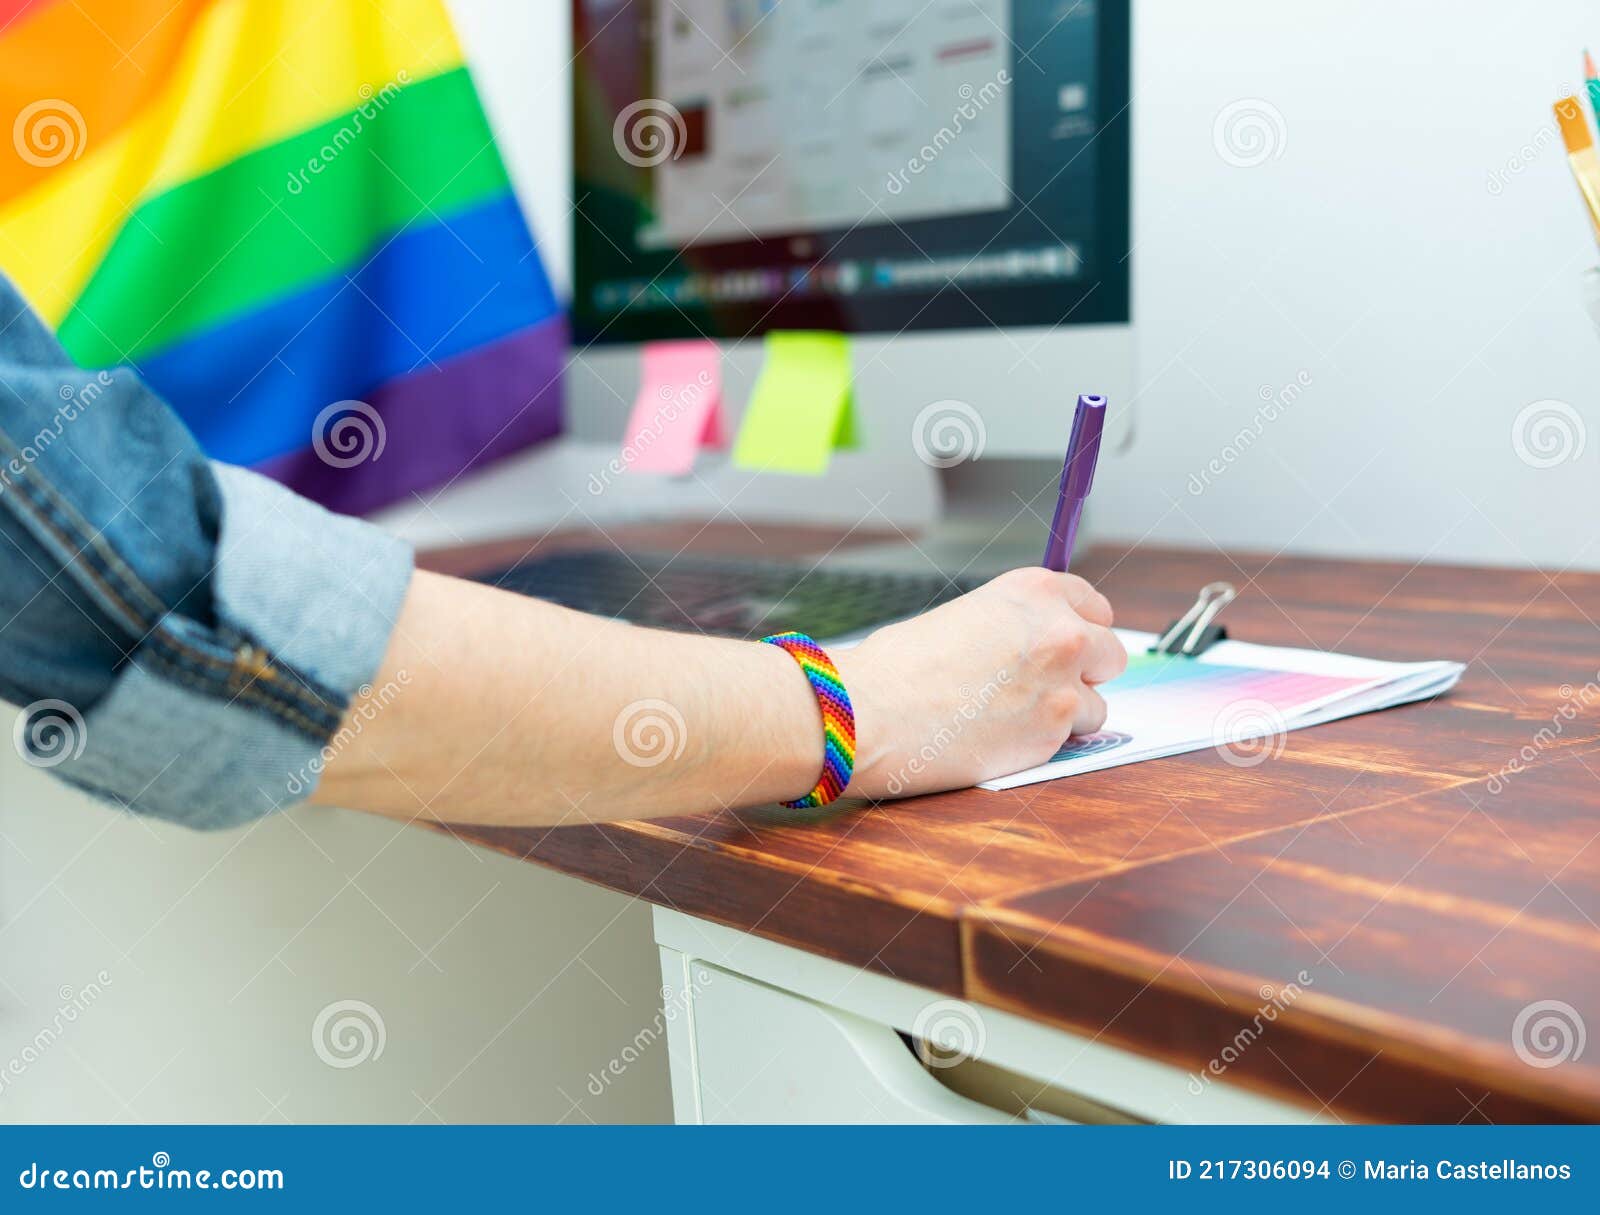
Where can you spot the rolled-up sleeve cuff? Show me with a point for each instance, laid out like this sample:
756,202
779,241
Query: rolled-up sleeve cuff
217,725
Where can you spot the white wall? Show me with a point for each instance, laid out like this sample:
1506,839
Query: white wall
501,987
153,974
1371,254
1367,253
520,51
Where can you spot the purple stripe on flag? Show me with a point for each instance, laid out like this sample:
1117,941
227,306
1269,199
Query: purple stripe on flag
468,411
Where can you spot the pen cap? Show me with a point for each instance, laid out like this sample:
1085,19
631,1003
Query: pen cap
1087,425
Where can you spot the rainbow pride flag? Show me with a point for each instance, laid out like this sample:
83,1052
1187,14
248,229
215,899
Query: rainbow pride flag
291,217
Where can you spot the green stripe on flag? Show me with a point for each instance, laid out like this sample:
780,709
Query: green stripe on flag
285,216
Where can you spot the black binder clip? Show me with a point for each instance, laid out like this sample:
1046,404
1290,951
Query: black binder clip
1196,631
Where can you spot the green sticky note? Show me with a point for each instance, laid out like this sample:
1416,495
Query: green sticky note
801,409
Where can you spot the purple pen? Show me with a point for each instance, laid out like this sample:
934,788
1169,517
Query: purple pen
1077,475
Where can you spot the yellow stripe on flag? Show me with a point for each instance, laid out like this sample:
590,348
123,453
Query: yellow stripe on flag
254,72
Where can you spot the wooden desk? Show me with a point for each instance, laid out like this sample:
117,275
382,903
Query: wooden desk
1150,907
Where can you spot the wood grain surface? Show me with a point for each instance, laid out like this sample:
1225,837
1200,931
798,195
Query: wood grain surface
1396,915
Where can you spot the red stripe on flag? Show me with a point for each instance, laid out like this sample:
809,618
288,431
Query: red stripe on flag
14,10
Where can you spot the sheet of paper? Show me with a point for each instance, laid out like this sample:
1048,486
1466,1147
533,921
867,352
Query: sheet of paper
1236,696
801,409
678,411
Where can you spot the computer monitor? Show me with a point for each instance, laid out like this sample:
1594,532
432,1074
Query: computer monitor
946,180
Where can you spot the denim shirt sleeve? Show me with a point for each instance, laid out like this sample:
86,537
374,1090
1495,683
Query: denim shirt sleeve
184,637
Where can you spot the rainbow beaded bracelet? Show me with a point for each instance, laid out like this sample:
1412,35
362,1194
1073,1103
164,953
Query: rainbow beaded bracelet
838,718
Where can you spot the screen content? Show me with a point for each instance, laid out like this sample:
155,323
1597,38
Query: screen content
857,165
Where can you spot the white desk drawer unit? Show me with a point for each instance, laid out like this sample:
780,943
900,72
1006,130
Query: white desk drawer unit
759,1032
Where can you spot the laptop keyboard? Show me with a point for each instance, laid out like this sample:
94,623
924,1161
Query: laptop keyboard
726,597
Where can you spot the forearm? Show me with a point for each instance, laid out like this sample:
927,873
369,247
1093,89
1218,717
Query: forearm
493,708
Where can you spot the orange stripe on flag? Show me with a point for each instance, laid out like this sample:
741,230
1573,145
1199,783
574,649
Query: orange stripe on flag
72,75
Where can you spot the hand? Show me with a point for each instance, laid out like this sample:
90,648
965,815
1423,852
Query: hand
983,686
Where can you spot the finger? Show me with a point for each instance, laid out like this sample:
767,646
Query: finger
1104,658
1091,714
1086,601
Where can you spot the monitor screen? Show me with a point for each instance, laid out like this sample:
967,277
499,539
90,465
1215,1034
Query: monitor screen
867,166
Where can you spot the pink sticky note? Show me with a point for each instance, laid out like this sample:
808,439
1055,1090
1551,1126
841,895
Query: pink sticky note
678,410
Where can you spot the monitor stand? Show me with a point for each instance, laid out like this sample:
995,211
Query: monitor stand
995,516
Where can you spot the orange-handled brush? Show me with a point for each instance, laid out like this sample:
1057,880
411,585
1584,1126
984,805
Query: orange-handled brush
1581,155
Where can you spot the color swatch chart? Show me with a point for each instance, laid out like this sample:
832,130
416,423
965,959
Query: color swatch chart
1169,704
